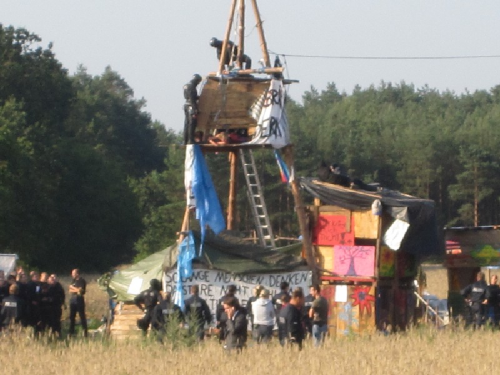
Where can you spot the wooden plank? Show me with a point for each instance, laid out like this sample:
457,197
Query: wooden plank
324,254
365,224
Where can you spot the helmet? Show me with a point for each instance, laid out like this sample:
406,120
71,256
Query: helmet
196,78
155,284
213,41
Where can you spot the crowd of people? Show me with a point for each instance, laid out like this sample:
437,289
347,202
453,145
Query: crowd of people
296,316
37,300
482,302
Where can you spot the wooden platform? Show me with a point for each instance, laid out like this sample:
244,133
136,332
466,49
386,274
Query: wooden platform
226,103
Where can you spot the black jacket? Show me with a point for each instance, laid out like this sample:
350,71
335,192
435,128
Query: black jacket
277,301
149,298
198,306
13,310
164,312
237,330
290,320
476,291
493,295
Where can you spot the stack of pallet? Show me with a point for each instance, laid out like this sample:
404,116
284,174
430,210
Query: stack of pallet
125,322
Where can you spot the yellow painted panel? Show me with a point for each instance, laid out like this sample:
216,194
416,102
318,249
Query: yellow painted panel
325,257
365,225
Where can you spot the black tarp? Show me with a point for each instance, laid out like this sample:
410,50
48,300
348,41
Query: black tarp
421,239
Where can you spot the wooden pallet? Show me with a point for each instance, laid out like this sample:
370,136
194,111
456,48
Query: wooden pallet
125,322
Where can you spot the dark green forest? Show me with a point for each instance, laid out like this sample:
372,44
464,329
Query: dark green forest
88,180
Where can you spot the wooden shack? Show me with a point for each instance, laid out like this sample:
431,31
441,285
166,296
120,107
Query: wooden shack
368,246
467,250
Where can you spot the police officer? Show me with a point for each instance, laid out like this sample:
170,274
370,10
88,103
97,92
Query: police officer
4,286
198,313
220,314
231,53
33,289
147,301
58,298
77,291
191,108
493,297
475,296
165,313
13,308
46,302
308,301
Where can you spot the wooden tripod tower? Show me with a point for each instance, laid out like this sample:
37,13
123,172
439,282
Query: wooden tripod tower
225,102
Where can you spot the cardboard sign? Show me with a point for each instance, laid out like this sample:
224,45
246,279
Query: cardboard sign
331,230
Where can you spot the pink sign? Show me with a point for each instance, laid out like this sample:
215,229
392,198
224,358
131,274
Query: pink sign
331,230
354,260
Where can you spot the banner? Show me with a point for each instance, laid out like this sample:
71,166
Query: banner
213,284
272,123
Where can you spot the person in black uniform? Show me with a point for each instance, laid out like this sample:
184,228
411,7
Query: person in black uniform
77,291
277,299
475,297
191,108
165,313
147,301
198,313
33,289
236,337
4,286
493,297
13,308
290,319
46,311
308,301
220,314
231,53
58,298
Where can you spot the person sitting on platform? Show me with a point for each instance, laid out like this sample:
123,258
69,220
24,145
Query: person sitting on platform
220,138
231,53
333,175
236,136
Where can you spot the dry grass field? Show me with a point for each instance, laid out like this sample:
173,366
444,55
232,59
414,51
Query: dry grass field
418,351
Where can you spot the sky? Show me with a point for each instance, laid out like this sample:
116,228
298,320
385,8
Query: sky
157,45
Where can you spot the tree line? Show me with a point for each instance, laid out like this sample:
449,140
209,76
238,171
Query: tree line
88,180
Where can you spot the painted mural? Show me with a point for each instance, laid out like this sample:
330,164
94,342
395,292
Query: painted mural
354,260
356,314
387,257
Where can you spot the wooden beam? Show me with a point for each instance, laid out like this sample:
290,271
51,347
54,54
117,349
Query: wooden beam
231,210
241,34
267,70
226,36
301,214
263,44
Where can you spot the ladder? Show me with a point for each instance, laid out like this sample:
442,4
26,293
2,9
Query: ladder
256,199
